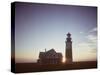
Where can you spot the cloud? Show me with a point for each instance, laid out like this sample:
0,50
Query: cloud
92,38
93,30
81,32
90,31
90,44
86,49
84,44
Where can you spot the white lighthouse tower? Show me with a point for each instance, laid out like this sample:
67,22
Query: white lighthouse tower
68,49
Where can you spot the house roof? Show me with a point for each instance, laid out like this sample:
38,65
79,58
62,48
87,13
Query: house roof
50,54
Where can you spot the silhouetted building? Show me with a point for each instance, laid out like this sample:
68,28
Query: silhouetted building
50,57
68,50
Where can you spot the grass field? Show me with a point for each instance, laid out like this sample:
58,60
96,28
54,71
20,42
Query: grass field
35,67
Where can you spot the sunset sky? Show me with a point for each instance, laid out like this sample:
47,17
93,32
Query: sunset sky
39,26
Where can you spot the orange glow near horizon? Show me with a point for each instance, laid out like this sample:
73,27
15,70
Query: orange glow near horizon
63,60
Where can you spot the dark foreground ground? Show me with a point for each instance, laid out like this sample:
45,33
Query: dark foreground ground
34,67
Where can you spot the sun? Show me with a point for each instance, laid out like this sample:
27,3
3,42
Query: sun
63,60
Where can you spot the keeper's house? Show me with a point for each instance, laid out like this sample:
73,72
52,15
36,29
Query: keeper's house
50,57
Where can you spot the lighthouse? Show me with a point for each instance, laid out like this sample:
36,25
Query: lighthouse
68,49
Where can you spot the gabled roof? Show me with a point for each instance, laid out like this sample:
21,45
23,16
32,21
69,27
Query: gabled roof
50,54
51,51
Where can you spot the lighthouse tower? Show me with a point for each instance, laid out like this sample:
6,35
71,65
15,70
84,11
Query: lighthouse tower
68,49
